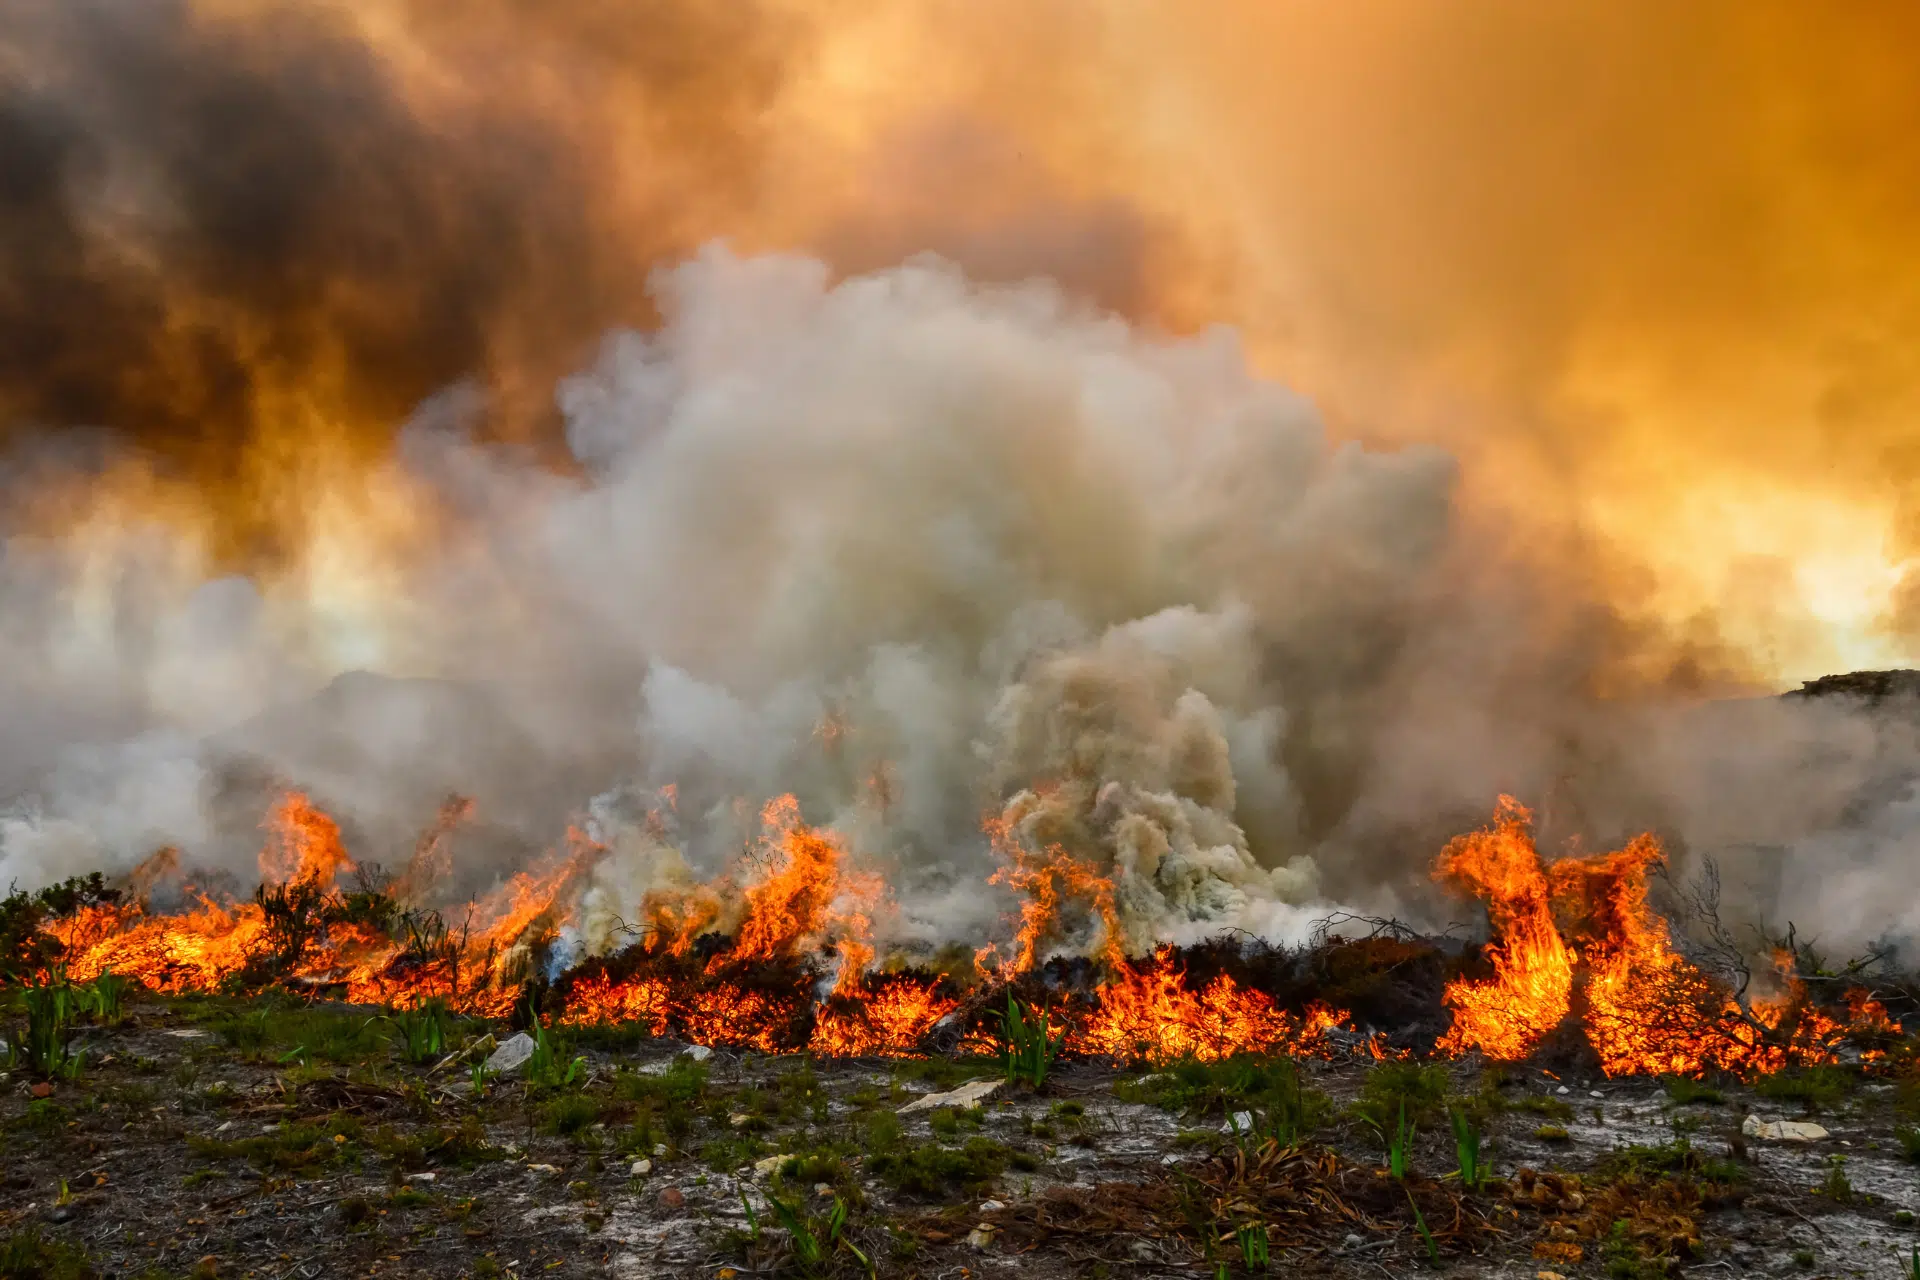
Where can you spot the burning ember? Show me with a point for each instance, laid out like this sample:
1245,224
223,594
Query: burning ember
779,955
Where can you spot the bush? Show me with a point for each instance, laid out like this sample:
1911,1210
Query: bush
1814,1088
1391,1087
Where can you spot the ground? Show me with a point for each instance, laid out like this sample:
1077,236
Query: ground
263,1138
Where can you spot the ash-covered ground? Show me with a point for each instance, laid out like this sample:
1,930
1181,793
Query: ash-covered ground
212,1136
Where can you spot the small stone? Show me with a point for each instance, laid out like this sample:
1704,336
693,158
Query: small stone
641,1168
421,1177
42,1090
512,1055
980,1237
224,1126
1595,1093
823,1188
738,1118
659,1151
1353,1241
966,1097
1782,1130
673,1198
1563,1089
761,1168
699,1053
1169,1158
186,1033
1238,1122
991,1206
542,1168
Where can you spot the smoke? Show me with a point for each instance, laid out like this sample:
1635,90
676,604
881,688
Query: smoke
289,288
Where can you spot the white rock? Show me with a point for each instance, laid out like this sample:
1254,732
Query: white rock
641,1168
421,1177
1563,1089
991,1206
1595,1093
1169,1158
981,1237
1238,1122
224,1127
512,1055
738,1118
966,1096
1782,1130
187,1033
659,1150
699,1053
761,1168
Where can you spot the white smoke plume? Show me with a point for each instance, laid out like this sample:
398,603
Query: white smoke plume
922,553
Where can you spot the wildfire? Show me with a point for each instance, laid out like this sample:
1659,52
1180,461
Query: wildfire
1578,939
779,954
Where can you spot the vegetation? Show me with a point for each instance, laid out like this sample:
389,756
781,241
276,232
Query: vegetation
1027,1046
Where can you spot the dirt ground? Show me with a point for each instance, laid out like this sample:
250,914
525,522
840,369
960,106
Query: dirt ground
209,1136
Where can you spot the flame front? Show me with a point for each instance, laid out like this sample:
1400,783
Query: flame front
1578,938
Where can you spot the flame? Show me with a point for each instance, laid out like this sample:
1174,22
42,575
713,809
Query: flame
1578,937
1150,1014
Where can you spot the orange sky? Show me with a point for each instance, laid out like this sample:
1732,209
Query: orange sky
1649,270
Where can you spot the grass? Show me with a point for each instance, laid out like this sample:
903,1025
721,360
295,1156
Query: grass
1678,1157
1420,1089
1815,1089
1269,1087
930,1170
1685,1091
27,1255
569,1114
1027,1044
1908,1136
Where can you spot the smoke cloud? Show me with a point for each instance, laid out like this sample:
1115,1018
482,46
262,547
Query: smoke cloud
288,497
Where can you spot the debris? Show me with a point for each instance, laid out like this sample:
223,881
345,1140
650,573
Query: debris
1782,1130
512,1055
641,1168
186,1033
1238,1122
981,1237
967,1096
991,1206
823,1188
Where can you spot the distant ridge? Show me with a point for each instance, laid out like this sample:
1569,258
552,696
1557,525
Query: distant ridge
1868,686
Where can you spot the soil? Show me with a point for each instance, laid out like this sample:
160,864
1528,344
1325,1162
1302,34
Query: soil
189,1144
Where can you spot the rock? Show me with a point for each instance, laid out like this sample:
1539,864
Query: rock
1353,1241
512,1055
1169,1158
1548,1275
186,1033
991,1206
1563,1089
738,1118
421,1177
761,1168
1143,1251
699,1053
673,1198
823,1188
981,1237
641,1168
966,1096
42,1090
1595,1093
1782,1130
659,1151
542,1168
1238,1122
224,1126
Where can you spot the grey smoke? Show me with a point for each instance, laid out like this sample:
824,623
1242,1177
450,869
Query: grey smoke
922,551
